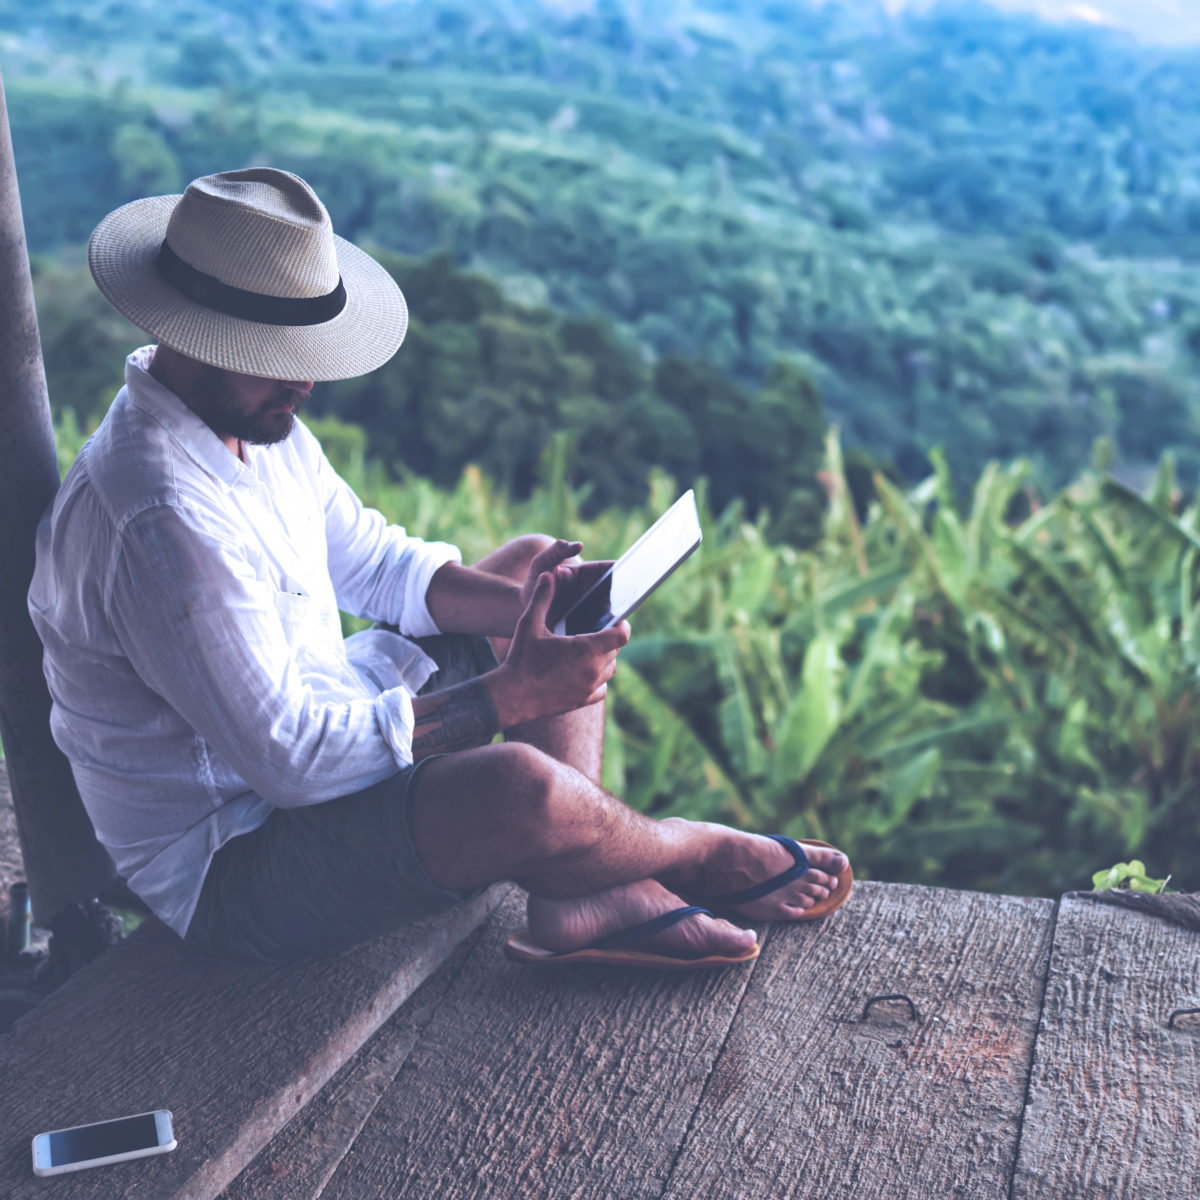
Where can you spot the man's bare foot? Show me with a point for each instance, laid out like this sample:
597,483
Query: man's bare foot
741,860
561,925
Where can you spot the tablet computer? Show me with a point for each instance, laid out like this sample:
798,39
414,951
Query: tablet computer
638,571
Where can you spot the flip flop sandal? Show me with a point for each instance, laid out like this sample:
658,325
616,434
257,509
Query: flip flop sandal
723,905
614,950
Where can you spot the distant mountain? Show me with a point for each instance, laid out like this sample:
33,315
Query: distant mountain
967,227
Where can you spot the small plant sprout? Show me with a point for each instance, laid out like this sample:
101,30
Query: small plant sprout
1131,875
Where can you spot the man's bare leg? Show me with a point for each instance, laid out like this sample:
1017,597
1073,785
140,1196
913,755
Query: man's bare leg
592,865
577,737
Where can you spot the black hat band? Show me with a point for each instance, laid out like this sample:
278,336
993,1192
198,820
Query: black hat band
210,292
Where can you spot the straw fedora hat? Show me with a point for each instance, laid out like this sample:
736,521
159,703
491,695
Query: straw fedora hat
243,271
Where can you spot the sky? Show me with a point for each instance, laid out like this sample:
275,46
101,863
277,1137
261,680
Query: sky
1161,22
1175,22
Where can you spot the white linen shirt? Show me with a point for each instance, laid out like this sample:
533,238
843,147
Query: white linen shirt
188,605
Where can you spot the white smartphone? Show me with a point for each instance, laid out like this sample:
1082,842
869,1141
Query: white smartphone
103,1142
638,571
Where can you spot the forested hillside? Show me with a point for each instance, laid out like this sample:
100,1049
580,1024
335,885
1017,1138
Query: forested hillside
967,229
655,243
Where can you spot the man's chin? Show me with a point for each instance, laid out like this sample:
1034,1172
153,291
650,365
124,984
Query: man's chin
271,429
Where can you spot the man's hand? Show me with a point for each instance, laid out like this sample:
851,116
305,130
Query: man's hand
571,578
544,675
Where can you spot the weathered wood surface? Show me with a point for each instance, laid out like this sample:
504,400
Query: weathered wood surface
298,1162
808,1099
761,1082
1114,1096
234,1050
1180,908
532,1082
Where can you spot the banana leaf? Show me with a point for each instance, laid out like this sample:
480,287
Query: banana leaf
669,727
813,715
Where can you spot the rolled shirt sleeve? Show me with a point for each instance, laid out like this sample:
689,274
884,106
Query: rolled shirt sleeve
378,571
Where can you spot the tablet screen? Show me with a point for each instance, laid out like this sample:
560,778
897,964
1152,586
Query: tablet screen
639,570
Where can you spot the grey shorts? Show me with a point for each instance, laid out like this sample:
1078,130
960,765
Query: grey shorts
315,880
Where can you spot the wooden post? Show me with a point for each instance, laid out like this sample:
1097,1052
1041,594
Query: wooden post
63,861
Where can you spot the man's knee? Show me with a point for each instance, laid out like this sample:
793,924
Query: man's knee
527,778
497,811
551,805
514,558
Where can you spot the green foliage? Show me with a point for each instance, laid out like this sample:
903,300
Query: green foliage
483,380
1131,875
970,245
953,696
976,235
145,163
84,340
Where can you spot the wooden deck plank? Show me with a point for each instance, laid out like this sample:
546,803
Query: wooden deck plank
234,1050
1114,1096
809,1100
298,1161
535,1082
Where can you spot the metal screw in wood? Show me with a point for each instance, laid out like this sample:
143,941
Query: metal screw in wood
890,996
1180,1012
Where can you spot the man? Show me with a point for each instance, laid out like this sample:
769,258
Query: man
269,789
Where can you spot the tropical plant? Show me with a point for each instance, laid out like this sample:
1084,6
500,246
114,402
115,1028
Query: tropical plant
997,697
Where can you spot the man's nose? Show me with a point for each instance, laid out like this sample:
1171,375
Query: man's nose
300,385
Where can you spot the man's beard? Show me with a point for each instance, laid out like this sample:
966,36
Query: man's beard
215,402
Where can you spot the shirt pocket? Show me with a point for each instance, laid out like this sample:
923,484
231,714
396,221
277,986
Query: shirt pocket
295,614
312,631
